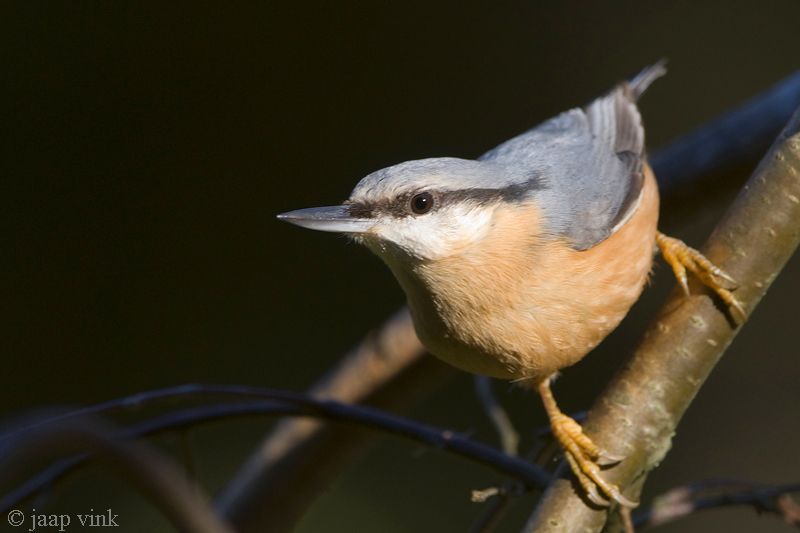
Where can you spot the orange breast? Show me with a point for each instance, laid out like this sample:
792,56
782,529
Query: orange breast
517,305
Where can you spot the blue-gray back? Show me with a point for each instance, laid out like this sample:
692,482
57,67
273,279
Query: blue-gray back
588,162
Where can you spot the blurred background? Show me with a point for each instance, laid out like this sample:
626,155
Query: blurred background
147,148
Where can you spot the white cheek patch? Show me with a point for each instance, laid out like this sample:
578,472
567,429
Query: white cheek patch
437,234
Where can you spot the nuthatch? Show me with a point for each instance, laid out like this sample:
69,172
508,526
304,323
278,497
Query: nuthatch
517,264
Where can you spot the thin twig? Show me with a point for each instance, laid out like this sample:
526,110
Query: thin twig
142,399
497,507
298,405
682,501
509,438
500,499
150,471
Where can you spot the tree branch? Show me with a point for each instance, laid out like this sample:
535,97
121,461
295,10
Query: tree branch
509,438
682,501
639,410
279,403
741,134
301,457
150,471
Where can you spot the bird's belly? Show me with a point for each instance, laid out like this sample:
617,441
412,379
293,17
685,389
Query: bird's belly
523,313
549,328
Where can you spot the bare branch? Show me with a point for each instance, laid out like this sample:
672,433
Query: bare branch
509,438
287,403
144,467
639,410
682,501
301,457
741,134
497,508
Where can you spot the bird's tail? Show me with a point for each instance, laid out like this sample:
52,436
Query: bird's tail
642,81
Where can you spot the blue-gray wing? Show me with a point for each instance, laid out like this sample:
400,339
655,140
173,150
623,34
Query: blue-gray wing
588,163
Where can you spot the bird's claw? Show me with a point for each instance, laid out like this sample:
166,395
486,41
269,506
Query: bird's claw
608,459
583,455
585,458
681,257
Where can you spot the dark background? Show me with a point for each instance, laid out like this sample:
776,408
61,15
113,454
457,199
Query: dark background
146,149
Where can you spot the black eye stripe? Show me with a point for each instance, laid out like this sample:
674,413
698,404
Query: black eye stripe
400,206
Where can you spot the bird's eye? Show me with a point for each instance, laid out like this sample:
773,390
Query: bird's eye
421,203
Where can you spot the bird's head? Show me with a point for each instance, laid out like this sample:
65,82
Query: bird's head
421,210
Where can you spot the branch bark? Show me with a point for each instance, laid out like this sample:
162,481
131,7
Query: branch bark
639,411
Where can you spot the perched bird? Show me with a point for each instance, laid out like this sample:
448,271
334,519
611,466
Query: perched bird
517,264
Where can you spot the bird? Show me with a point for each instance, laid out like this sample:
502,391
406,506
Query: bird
517,264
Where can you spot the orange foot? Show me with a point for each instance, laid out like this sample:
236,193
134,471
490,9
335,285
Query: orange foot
583,455
680,257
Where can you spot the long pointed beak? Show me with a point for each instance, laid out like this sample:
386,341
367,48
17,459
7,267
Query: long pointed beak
334,218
